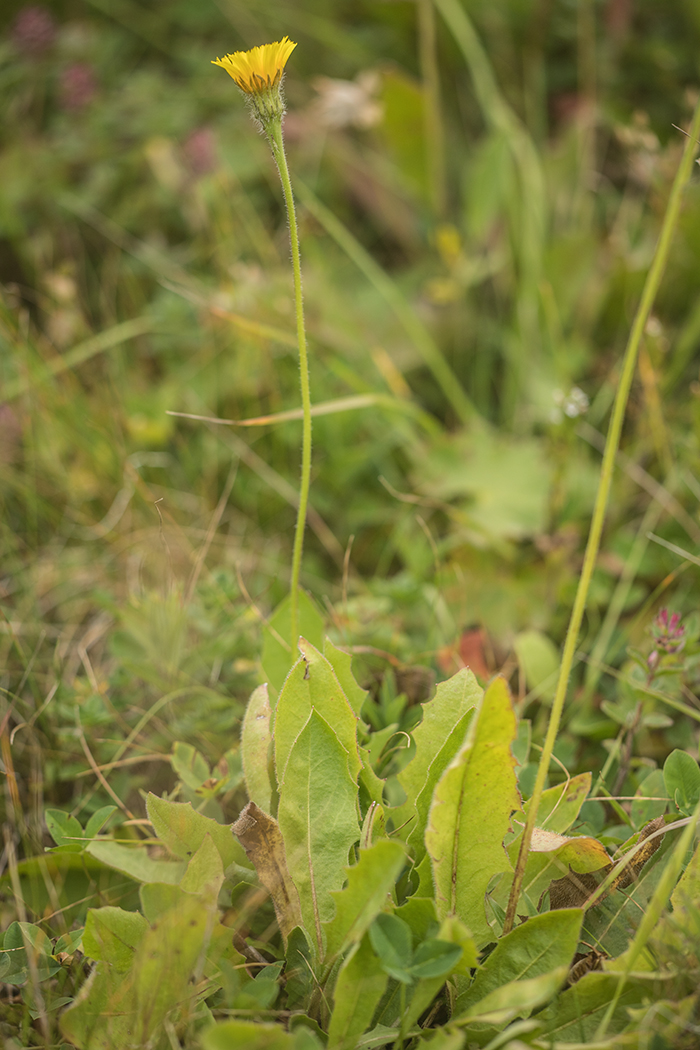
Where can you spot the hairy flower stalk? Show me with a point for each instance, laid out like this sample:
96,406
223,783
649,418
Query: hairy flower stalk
258,73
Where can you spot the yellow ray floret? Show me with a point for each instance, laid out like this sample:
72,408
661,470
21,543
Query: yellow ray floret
260,68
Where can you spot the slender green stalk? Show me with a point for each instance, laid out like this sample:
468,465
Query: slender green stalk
274,136
651,287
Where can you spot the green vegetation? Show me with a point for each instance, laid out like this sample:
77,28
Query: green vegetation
484,191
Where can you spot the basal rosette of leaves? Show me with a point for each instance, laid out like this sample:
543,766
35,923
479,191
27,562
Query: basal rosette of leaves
326,917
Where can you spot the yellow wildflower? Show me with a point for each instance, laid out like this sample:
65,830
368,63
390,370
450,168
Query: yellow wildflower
259,69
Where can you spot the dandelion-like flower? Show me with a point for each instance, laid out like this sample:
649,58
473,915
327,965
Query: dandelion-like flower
258,73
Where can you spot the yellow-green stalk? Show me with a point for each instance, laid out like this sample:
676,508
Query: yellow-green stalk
258,73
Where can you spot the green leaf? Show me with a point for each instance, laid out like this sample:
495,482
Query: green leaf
98,820
157,898
538,657
686,896
369,883
205,871
438,738
538,946
420,914
574,1015
341,662
182,830
69,942
164,964
277,655
246,1035
435,958
299,973
360,985
64,829
682,780
391,939
113,935
560,806
426,988
312,685
191,767
501,483
471,813
23,941
514,999
643,809
318,819
256,748
135,862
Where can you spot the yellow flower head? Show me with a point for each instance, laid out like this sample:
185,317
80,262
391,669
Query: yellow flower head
259,69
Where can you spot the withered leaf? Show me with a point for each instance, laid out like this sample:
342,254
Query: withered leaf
575,888
259,835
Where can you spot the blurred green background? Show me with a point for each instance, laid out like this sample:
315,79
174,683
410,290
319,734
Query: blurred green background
481,186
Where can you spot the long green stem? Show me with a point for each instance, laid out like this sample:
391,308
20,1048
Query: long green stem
651,286
274,135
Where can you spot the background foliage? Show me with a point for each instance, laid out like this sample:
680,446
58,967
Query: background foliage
471,278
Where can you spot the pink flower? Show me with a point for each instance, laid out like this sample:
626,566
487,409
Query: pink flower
78,86
33,31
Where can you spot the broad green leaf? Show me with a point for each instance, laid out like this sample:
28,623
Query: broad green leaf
435,958
453,932
516,998
256,748
64,829
369,883
98,820
164,964
341,662
113,935
538,657
500,483
70,942
371,786
205,871
471,813
686,895
391,939
318,819
538,946
100,1017
182,830
441,1039
682,780
191,767
360,985
157,898
299,978
420,914
438,738
135,862
560,806
278,655
312,685
24,941
651,799
574,1015
246,1035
